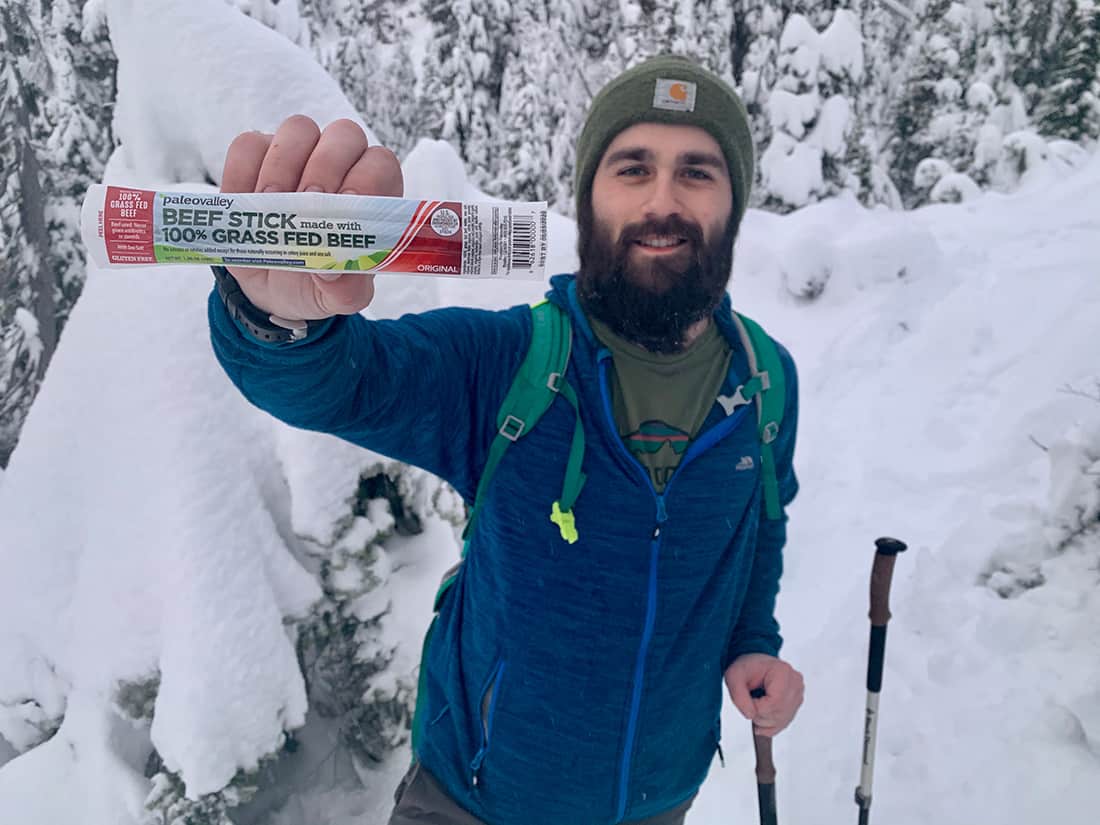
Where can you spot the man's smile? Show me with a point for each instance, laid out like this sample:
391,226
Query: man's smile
661,243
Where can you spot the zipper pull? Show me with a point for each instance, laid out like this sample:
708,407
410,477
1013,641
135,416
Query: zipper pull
662,516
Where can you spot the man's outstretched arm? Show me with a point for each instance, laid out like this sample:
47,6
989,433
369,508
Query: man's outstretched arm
423,389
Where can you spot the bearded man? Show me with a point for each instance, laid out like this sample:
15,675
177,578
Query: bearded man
572,677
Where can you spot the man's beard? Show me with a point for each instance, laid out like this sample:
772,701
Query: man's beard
652,303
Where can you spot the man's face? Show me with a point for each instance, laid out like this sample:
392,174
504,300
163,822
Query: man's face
656,244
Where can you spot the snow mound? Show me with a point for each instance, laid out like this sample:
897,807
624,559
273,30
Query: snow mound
178,111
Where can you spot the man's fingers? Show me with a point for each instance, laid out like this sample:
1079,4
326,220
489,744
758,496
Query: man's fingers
377,172
340,147
739,693
767,730
243,160
285,161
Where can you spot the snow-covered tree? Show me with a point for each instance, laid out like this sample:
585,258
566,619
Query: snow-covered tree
755,57
463,71
530,107
364,47
56,91
820,141
1070,105
930,115
1031,38
28,331
283,17
74,133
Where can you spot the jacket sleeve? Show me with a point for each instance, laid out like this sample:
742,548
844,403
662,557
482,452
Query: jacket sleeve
756,629
423,389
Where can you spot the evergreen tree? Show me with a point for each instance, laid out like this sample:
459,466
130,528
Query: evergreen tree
364,48
844,132
58,85
820,142
28,332
75,134
282,17
755,65
526,118
462,78
405,120
1032,30
929,117
1071,106
714,33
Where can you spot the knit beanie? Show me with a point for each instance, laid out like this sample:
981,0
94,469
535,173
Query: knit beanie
674,90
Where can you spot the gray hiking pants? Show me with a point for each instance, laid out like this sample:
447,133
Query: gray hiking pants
421,801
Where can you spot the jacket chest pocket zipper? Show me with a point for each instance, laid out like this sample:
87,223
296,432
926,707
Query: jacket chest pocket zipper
489,699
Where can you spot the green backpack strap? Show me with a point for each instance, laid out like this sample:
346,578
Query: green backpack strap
768,385
539,380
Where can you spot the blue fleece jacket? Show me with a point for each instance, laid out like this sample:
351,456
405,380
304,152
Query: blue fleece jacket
565,683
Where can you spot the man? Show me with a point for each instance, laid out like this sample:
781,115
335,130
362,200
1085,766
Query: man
566,683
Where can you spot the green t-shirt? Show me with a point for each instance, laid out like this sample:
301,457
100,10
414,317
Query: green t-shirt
661,401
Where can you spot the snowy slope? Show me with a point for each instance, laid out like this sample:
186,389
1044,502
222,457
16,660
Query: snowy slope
151,521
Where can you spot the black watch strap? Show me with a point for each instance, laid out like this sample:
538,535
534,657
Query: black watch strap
271,329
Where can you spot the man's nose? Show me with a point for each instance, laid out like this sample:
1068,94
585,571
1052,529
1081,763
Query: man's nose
663,197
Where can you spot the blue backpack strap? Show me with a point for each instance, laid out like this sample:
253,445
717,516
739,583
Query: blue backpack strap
767,385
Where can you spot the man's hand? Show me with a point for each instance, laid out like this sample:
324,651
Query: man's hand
299,157
783,691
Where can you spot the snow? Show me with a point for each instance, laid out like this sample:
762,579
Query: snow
832,126
791,170
790,112
954,187
842,46
27,325
801,47
931,170
178,110
980,95
948,89
157,526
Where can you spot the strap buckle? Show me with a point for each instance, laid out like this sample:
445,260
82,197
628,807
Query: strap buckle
770,432
553,382
513,428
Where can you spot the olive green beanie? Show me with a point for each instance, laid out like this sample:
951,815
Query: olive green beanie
675,90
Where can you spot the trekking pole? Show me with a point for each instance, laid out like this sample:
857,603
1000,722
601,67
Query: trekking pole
765,779
886,552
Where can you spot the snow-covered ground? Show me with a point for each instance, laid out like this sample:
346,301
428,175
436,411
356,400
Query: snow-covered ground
152,522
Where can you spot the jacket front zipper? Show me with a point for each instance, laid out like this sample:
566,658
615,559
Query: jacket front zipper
705,442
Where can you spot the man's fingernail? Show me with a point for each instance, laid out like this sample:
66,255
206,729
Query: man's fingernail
328,276
348,192
313,187
271,187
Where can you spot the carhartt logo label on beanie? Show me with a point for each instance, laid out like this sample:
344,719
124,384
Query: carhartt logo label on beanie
674,95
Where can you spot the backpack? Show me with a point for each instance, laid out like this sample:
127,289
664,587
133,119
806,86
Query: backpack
541,378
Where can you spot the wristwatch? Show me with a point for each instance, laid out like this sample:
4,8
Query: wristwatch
271,329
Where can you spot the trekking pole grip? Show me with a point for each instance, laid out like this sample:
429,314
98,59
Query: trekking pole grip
882,574
886,553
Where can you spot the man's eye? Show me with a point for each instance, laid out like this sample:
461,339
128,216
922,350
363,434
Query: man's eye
632,171
698,174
